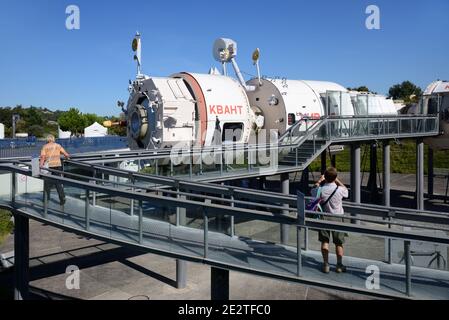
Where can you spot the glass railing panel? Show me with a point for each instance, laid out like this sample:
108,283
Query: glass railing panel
29,194
5,181
73,210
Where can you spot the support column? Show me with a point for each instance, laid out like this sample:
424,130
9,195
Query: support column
285,189
323,161
386,194
419,174
355,173
181,266
21,257
386,173
181,274
430,173
305,181
219,284
372,180
355,177
334,161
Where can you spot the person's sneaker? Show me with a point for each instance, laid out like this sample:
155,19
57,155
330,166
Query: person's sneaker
340,268
326,268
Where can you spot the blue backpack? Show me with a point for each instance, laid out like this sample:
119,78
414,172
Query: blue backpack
315,204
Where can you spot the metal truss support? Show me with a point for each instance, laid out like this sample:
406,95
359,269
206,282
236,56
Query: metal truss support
219,284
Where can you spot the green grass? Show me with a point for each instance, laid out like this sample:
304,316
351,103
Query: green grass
403,158
6,225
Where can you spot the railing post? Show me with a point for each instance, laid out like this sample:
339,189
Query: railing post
94,194
408,272
86,210
232,233
206,231
13,187
420,174
140,221
301,223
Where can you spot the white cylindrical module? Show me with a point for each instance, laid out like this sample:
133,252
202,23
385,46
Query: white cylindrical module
222,109
282,101
435,100
188,109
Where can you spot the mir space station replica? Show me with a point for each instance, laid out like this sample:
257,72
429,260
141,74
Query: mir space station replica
187,109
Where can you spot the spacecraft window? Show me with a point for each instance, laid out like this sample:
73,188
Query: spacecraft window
432,106
232,131
445,107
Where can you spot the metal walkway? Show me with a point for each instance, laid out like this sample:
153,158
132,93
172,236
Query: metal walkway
291,152
175,218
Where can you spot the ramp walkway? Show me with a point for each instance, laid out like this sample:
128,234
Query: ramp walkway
155,213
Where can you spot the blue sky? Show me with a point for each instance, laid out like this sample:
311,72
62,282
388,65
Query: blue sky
44,64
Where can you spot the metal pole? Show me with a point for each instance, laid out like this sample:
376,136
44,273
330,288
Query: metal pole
386,192
140,221
232,218
408,272
323,162
181,274
301,217
13,187
430,173
285,189
181,266
419,174
86,210
386,173
206,231
219,284
355,176
21,257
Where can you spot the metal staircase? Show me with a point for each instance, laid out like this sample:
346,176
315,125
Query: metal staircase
306,139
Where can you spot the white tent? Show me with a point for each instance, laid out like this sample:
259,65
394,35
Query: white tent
95,130
2,131
63,134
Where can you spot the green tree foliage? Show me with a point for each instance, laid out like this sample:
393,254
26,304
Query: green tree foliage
360,89
407,91
72,121
90,118
39,122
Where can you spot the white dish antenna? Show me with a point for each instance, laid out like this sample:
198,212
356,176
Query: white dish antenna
224,50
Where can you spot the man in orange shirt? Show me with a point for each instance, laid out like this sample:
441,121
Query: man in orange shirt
51,158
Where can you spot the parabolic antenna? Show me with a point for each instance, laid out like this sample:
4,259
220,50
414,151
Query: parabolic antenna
224,50
256,55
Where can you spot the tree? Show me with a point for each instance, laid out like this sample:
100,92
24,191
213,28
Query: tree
90,118
36,130
360,89
72,121
407,91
